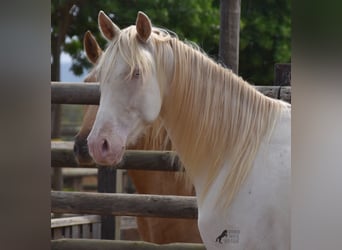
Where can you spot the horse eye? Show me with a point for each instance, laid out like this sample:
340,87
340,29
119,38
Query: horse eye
136,73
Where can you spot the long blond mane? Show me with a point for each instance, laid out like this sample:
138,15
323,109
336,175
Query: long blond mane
211,114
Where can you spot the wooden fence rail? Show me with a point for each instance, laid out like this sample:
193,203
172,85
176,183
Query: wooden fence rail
167,206
62,156
88,226
74,93
87,244
80,93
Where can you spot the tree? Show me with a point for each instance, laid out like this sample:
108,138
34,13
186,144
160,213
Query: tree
265,29
265,38
230,33
196,20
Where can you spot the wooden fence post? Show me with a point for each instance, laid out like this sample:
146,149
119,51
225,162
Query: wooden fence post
282,74
106,183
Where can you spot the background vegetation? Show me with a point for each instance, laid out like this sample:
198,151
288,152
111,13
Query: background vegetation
265,29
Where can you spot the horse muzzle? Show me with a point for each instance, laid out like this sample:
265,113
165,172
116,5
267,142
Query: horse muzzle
106,151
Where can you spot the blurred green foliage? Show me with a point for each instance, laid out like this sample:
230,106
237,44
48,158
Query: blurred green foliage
265,30
265,38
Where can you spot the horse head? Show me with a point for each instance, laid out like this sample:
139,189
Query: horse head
130,84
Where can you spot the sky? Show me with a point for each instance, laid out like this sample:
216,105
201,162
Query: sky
66,74
65,58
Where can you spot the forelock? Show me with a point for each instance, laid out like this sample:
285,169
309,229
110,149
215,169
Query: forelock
135,54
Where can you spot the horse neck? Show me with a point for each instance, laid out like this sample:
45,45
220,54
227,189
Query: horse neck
213,116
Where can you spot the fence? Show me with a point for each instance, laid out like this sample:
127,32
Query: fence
88,227
102,203
80,93
86,244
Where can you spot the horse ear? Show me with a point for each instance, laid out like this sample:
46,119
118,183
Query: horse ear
108,29
144,26
91,47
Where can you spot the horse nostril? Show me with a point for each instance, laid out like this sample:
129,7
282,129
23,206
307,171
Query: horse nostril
105,146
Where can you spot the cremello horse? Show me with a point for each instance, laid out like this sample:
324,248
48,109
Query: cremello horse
156,230
234,142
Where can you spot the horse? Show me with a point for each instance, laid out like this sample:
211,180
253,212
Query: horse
155,230
234,142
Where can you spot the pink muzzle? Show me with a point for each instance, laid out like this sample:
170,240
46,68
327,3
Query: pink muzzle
106,150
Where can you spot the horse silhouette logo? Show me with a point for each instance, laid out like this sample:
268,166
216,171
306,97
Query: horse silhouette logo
222,235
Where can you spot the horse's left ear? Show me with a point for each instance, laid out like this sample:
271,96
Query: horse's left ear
144,26
91,47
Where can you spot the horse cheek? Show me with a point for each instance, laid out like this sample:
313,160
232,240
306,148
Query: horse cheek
150,103
151,107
